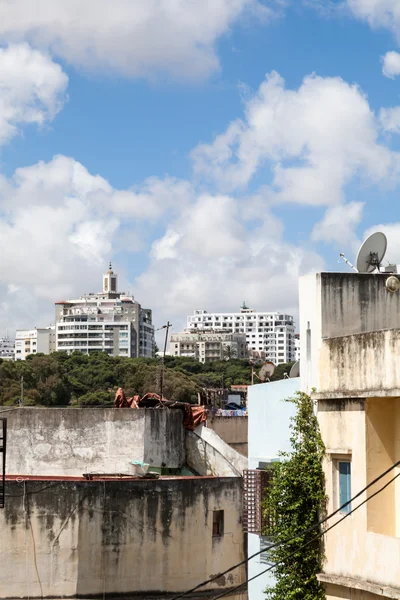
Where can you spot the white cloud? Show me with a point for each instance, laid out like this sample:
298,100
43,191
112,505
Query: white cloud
391,64
32,89
311,142
212,258
390,119
339,224
134,37
378,13
392,232
59,227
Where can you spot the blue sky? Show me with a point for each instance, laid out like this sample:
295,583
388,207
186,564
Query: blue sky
150,135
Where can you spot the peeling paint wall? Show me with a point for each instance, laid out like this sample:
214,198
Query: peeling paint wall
88,538
72,441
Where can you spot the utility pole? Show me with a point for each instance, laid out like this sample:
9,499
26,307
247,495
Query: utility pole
166,327
21,401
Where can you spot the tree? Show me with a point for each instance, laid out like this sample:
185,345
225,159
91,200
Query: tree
228,352
295,502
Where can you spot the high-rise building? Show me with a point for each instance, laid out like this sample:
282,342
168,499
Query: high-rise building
7,348
34,341
208,346
269,332
108,321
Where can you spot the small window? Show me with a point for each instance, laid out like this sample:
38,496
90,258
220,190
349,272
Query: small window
344,471
218,523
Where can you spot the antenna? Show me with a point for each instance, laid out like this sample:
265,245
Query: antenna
371,253
295,370
347,262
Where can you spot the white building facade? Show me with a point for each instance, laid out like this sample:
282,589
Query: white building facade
108,322
208,346
34,341
7,348
269,332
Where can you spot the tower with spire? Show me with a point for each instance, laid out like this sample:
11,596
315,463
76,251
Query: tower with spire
110,281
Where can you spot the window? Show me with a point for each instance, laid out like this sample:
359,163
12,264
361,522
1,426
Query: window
341,484
344,469
218,523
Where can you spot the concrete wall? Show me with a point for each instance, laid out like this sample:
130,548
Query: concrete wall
208,454
353,550
357,303
74,441
269,434
360,365
340,304
310,325
80,539
233,430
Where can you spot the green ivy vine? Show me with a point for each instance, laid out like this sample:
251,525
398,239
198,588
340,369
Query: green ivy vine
294,501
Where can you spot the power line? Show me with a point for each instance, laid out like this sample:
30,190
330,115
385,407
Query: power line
307,543
288,540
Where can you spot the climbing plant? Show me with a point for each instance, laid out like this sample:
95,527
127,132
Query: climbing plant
295,501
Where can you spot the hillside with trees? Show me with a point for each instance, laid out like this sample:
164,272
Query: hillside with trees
78,379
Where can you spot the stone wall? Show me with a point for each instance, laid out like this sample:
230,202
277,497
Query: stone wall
141,538
73,441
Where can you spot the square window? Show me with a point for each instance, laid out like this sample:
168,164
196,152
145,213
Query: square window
218,523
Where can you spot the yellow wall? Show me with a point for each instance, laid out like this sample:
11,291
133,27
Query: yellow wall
336,592
354,428
381,446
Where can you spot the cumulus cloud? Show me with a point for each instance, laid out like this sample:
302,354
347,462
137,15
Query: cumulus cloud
59,227
211,257
339,224
133,37
311,142
32,89
390,119
378,13
391,64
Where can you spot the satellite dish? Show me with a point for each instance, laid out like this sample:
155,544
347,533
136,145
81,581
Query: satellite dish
266,371
295,370
371,253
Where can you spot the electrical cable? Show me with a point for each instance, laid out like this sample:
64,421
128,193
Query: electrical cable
288,540
307,543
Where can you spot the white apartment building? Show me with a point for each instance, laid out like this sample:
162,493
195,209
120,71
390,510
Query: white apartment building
34,341
269,332
7,348
297,346
108,321
208,346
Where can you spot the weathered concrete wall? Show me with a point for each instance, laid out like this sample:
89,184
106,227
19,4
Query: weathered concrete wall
360,365
80,539
357,303
73,441
352,549
233,430
341,304
208,454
